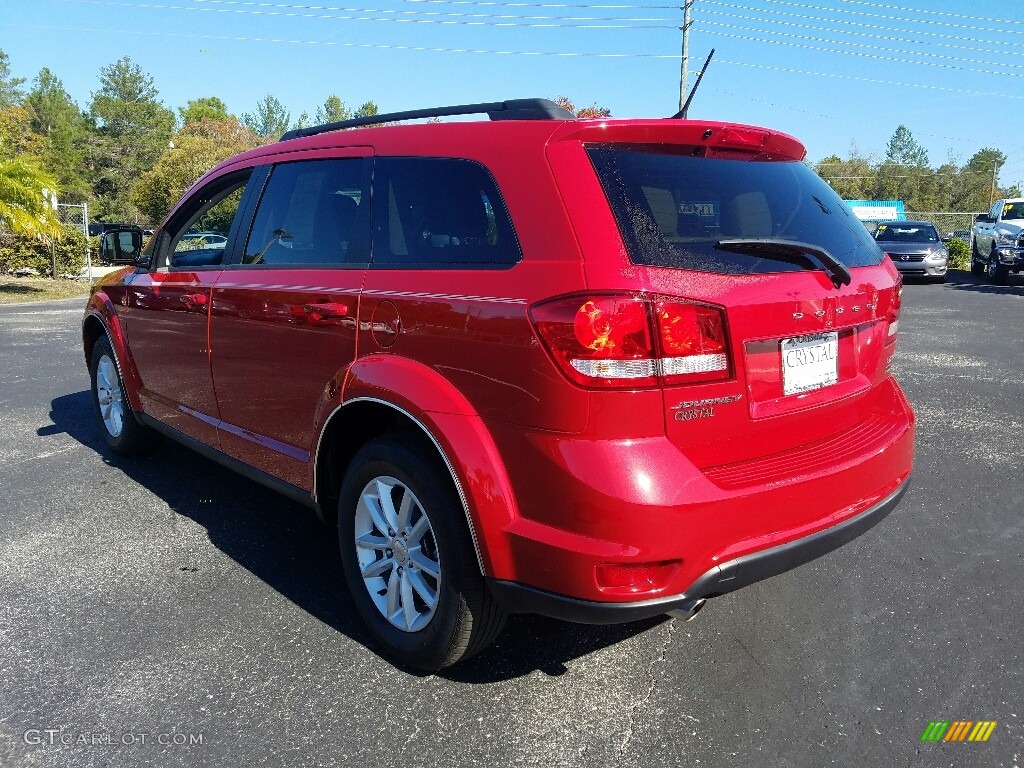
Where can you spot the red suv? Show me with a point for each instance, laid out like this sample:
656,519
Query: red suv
594,369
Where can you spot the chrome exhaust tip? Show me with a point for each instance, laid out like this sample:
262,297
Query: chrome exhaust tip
688,610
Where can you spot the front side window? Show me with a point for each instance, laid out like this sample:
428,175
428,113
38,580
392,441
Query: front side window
675,209
200,233
312,213
439,212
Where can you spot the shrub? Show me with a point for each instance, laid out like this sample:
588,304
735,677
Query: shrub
959,254
17,251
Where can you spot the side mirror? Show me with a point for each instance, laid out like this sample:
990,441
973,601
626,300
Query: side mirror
946,238
121,246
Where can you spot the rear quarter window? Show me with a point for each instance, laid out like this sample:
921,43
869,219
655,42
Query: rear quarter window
672,208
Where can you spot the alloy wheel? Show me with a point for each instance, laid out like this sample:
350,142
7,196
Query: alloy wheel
397,553
108,395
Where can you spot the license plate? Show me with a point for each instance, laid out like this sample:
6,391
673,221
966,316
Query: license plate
810,362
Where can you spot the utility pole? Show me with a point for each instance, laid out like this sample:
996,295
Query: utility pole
992,196
683,74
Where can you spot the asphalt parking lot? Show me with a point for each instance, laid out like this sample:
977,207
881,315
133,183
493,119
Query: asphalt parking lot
164,611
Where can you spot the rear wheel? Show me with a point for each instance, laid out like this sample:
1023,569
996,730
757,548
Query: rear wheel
122,431
995,271
408,558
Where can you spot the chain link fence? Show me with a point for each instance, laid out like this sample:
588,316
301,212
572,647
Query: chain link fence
955,224
76,217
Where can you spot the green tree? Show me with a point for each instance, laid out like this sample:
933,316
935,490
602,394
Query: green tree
333,110
366,109
302,121
197,109
56,117
270,119
133,128
903,149
197,148
24,207
10,87
16,135
852,178
979,186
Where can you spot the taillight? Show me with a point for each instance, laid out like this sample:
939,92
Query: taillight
693,345
894,311
633,341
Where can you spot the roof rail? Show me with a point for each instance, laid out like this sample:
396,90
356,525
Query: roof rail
514,109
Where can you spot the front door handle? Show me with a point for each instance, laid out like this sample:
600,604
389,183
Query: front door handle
326,309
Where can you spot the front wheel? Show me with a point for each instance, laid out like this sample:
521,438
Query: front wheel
408,558
121,430
995,271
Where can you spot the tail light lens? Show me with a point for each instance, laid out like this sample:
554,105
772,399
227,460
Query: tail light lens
693,345
894,311
616,341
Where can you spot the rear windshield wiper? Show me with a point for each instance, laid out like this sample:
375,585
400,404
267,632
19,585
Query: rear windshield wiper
838,271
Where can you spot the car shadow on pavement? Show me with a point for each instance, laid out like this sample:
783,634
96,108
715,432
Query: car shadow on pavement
282,543
965,281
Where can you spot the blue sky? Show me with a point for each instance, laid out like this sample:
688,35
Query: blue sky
834,73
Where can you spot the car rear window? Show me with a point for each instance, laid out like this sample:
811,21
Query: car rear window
906,233
672,208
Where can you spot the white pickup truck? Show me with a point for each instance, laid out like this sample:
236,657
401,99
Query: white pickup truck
997,240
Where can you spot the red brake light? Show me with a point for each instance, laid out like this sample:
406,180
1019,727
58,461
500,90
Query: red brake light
894,310
693,346
633,341
601,341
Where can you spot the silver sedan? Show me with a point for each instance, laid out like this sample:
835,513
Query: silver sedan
914,247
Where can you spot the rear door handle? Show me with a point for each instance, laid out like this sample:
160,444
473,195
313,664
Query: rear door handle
326,309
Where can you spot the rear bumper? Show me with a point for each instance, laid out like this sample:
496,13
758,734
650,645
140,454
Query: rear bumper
718,580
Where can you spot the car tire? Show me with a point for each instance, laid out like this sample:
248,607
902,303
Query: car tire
994,271
977,263
121,429
417,584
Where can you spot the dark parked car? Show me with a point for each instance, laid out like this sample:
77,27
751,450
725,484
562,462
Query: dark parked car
594,369
914,247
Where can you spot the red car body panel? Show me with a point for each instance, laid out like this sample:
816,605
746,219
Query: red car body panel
557,479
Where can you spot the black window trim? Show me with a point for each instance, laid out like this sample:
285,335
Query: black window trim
162,251
234,262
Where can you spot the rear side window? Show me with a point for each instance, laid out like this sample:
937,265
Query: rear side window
438,212
672,209
313,213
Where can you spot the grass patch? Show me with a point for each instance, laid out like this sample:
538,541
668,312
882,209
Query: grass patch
14,290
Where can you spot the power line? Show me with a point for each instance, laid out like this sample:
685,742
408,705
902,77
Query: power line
337,44
861,55
844,22
336,17
870,36
889,18
932,13
869,79
303,7
547,5
859,45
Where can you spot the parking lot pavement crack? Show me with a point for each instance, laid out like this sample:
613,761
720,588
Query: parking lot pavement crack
652,684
